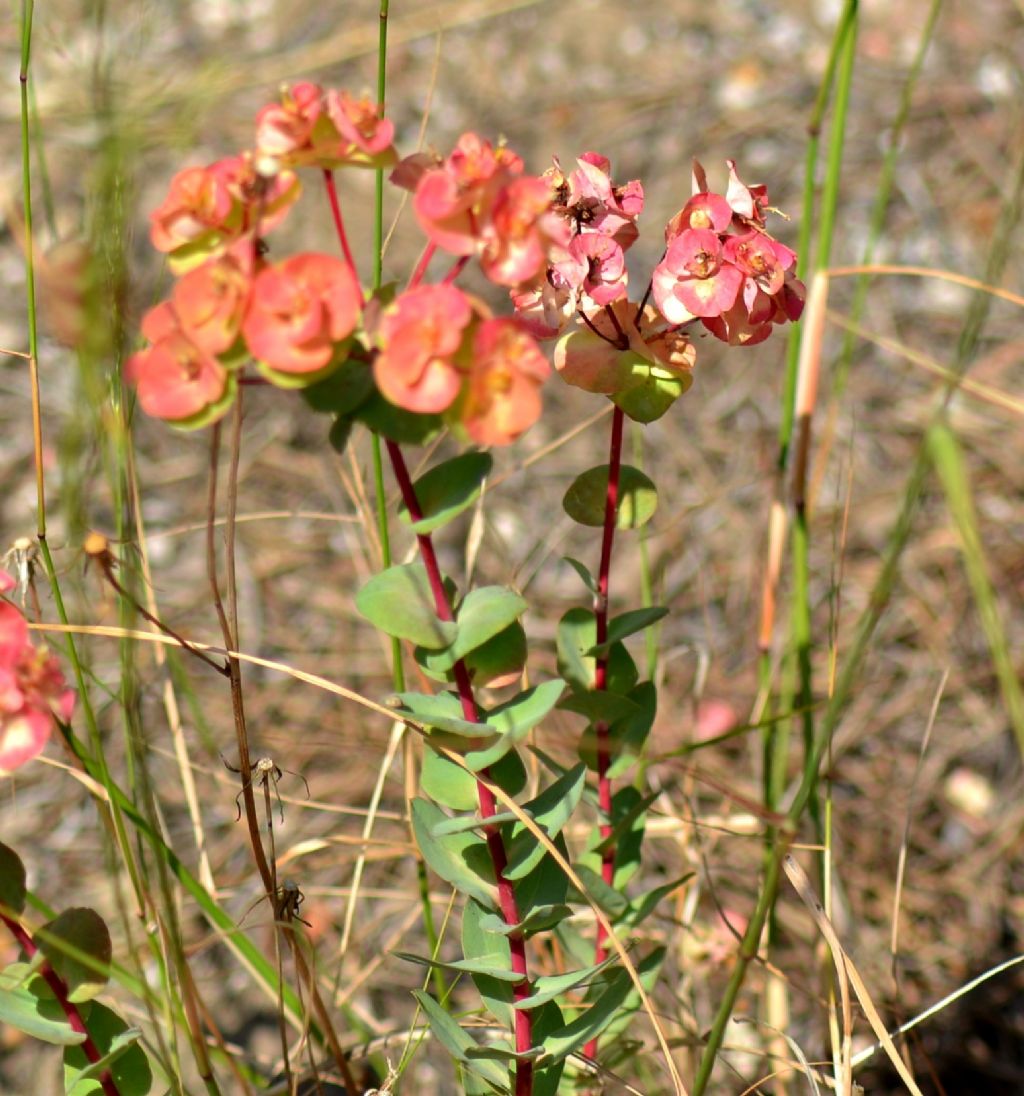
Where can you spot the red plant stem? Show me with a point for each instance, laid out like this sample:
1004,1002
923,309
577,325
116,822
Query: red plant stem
339,224
457,268
60,990
604,784
421,266
488,806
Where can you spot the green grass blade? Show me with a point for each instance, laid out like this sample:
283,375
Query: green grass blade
948,459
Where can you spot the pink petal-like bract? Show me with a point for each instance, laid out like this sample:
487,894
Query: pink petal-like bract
22,738
300,310
705,285
210,301
503,392
13,632
445,212
419,335
198,201
284,128
514,250
759,257
32,690
174,378
359,123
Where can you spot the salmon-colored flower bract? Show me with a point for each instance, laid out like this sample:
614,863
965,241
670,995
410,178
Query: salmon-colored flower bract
300,311
722,267
33,691
503,391
175,379
419,336
478,202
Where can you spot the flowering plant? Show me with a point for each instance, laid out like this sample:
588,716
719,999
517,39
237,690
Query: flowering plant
408,362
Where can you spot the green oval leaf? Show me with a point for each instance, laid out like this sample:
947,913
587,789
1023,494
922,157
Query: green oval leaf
550,810
500,660
549,986
342,391
514,720
483,614
584,502
472,822
12,881
120,1053
458,1043
442,711
576,637
650,390
452,786
525,710
490,965
460,859
36,1013
399,602
397,424
445,491
477,942
559,1044
77,945
627,624
583,571
537,920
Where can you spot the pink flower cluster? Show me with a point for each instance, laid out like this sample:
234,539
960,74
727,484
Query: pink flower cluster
32,689
294,318
434,350
441,351
311,127
722,267
207,209
477,202
587,266
557,242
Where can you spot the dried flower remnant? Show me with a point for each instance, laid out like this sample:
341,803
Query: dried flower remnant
33,691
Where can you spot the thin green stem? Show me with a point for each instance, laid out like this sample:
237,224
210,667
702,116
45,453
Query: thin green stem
380,495
880,209
977,313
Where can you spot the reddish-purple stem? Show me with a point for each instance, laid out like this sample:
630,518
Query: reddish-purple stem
457,268
60,991
339,224
488,806
604,784
421,267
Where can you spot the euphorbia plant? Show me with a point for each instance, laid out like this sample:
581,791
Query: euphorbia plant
410,361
